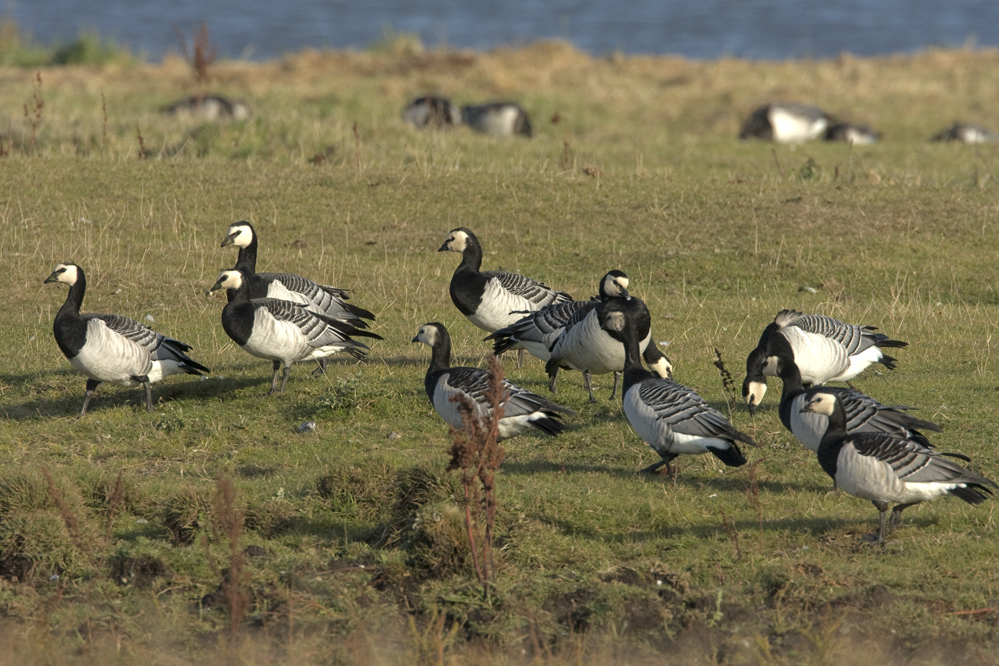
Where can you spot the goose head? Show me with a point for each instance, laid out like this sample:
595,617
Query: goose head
228,280
239,234
67,273
457,240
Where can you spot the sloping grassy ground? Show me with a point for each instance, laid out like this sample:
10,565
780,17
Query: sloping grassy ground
113,542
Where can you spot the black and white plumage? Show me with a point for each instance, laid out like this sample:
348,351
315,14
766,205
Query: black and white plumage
330,301
888,469
522,409
857,135
497,119
492,300
431,112
282,331
209,107
112,348
670,417
863,413
965,133
789,122
823,348
584,345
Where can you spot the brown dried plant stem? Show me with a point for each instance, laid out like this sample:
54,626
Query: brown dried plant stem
228,519
477,453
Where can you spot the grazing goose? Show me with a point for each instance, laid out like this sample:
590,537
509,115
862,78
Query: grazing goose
584,345
492,299
858,135
432,112
823,348
863,413
884,468
497,119
965,133
670,417
282,331
112,348
785,123
209,107
522,410
321,298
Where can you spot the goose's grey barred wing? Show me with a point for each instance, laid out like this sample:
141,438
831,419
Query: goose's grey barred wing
913,463
686,412
536,326
865,414
517,401
318,330
326,299
536,292
131,329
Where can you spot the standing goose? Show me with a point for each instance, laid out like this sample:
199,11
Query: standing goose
497,119
113,348
823,348
670,417
789,122
884,468
522,410
863,413
282,331
320,298
584,344
492,300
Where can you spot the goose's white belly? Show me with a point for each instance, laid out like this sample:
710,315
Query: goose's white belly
110,357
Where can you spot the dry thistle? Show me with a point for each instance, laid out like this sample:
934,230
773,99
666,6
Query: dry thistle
142,144
728,384
228,520
34,114
477,453
204,54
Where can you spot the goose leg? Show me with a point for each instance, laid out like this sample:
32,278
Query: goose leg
651,469
896,515
92,385
321,370
287,371
586,383
149,391
274,379
551,380
617,375
882,508
520,359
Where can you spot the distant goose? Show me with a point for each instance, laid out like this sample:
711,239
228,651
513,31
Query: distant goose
858,135
670,417
522,410
823,348
884,468
209,107
965,133
431,112
112,348
863,413
785,123
282,331
584,344
497,119
492,300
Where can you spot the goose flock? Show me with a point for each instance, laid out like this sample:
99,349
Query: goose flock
870,450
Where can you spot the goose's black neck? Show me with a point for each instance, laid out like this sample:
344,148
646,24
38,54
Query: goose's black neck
247,259
634,372
69,327
471,256
74,300
440,353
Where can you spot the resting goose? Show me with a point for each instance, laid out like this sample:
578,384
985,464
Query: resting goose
823,348
492,300
321,298
863,413
857,135
113,348
965,133
522,410
884,468
785,123
584,345
670,417
282,331
497,119
433,112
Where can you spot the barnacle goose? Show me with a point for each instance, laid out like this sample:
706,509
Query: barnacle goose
584,345
863,413
492,299
884,468
113,348
823,348
858,135
785,123
522,409
209,107
497,119
433,112
965,133
670,417
282,331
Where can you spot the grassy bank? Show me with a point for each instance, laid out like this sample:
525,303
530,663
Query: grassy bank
114,542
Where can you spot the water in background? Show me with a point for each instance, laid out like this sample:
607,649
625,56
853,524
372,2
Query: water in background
700,29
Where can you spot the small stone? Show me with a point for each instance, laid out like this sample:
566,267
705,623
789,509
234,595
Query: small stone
149,318
308,426
392,436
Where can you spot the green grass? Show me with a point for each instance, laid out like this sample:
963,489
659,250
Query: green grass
356,556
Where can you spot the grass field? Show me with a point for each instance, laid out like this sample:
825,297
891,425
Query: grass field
117,530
